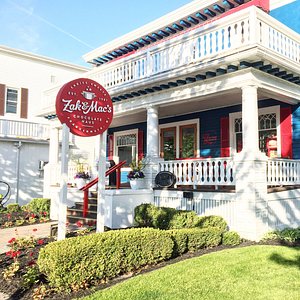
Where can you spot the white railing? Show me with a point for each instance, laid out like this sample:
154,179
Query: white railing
283,172
245,28
24,129
210,171
55,173
204,42
212,41
278,38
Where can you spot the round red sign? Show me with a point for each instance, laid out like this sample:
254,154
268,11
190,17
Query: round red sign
85,107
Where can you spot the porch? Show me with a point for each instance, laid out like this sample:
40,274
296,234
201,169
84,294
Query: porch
206,186
243,185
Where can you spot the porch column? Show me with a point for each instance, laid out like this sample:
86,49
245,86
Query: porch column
50,172
50,168
250,119
250,174
54,146
95,165
152,132
152,146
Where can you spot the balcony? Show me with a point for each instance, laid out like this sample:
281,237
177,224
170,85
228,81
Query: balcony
202,47
219,45
16,129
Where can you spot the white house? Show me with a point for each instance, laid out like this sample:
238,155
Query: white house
24,138
209,92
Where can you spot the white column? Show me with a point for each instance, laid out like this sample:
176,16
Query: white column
62,212
251,212
54,146
250,119
101,203
50,168
152,132
152,146
95,165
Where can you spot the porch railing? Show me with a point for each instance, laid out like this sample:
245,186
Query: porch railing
24,129
208,171
55,172
283,171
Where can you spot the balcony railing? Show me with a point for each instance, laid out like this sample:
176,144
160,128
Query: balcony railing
209,171
212,40
184,53
24,129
